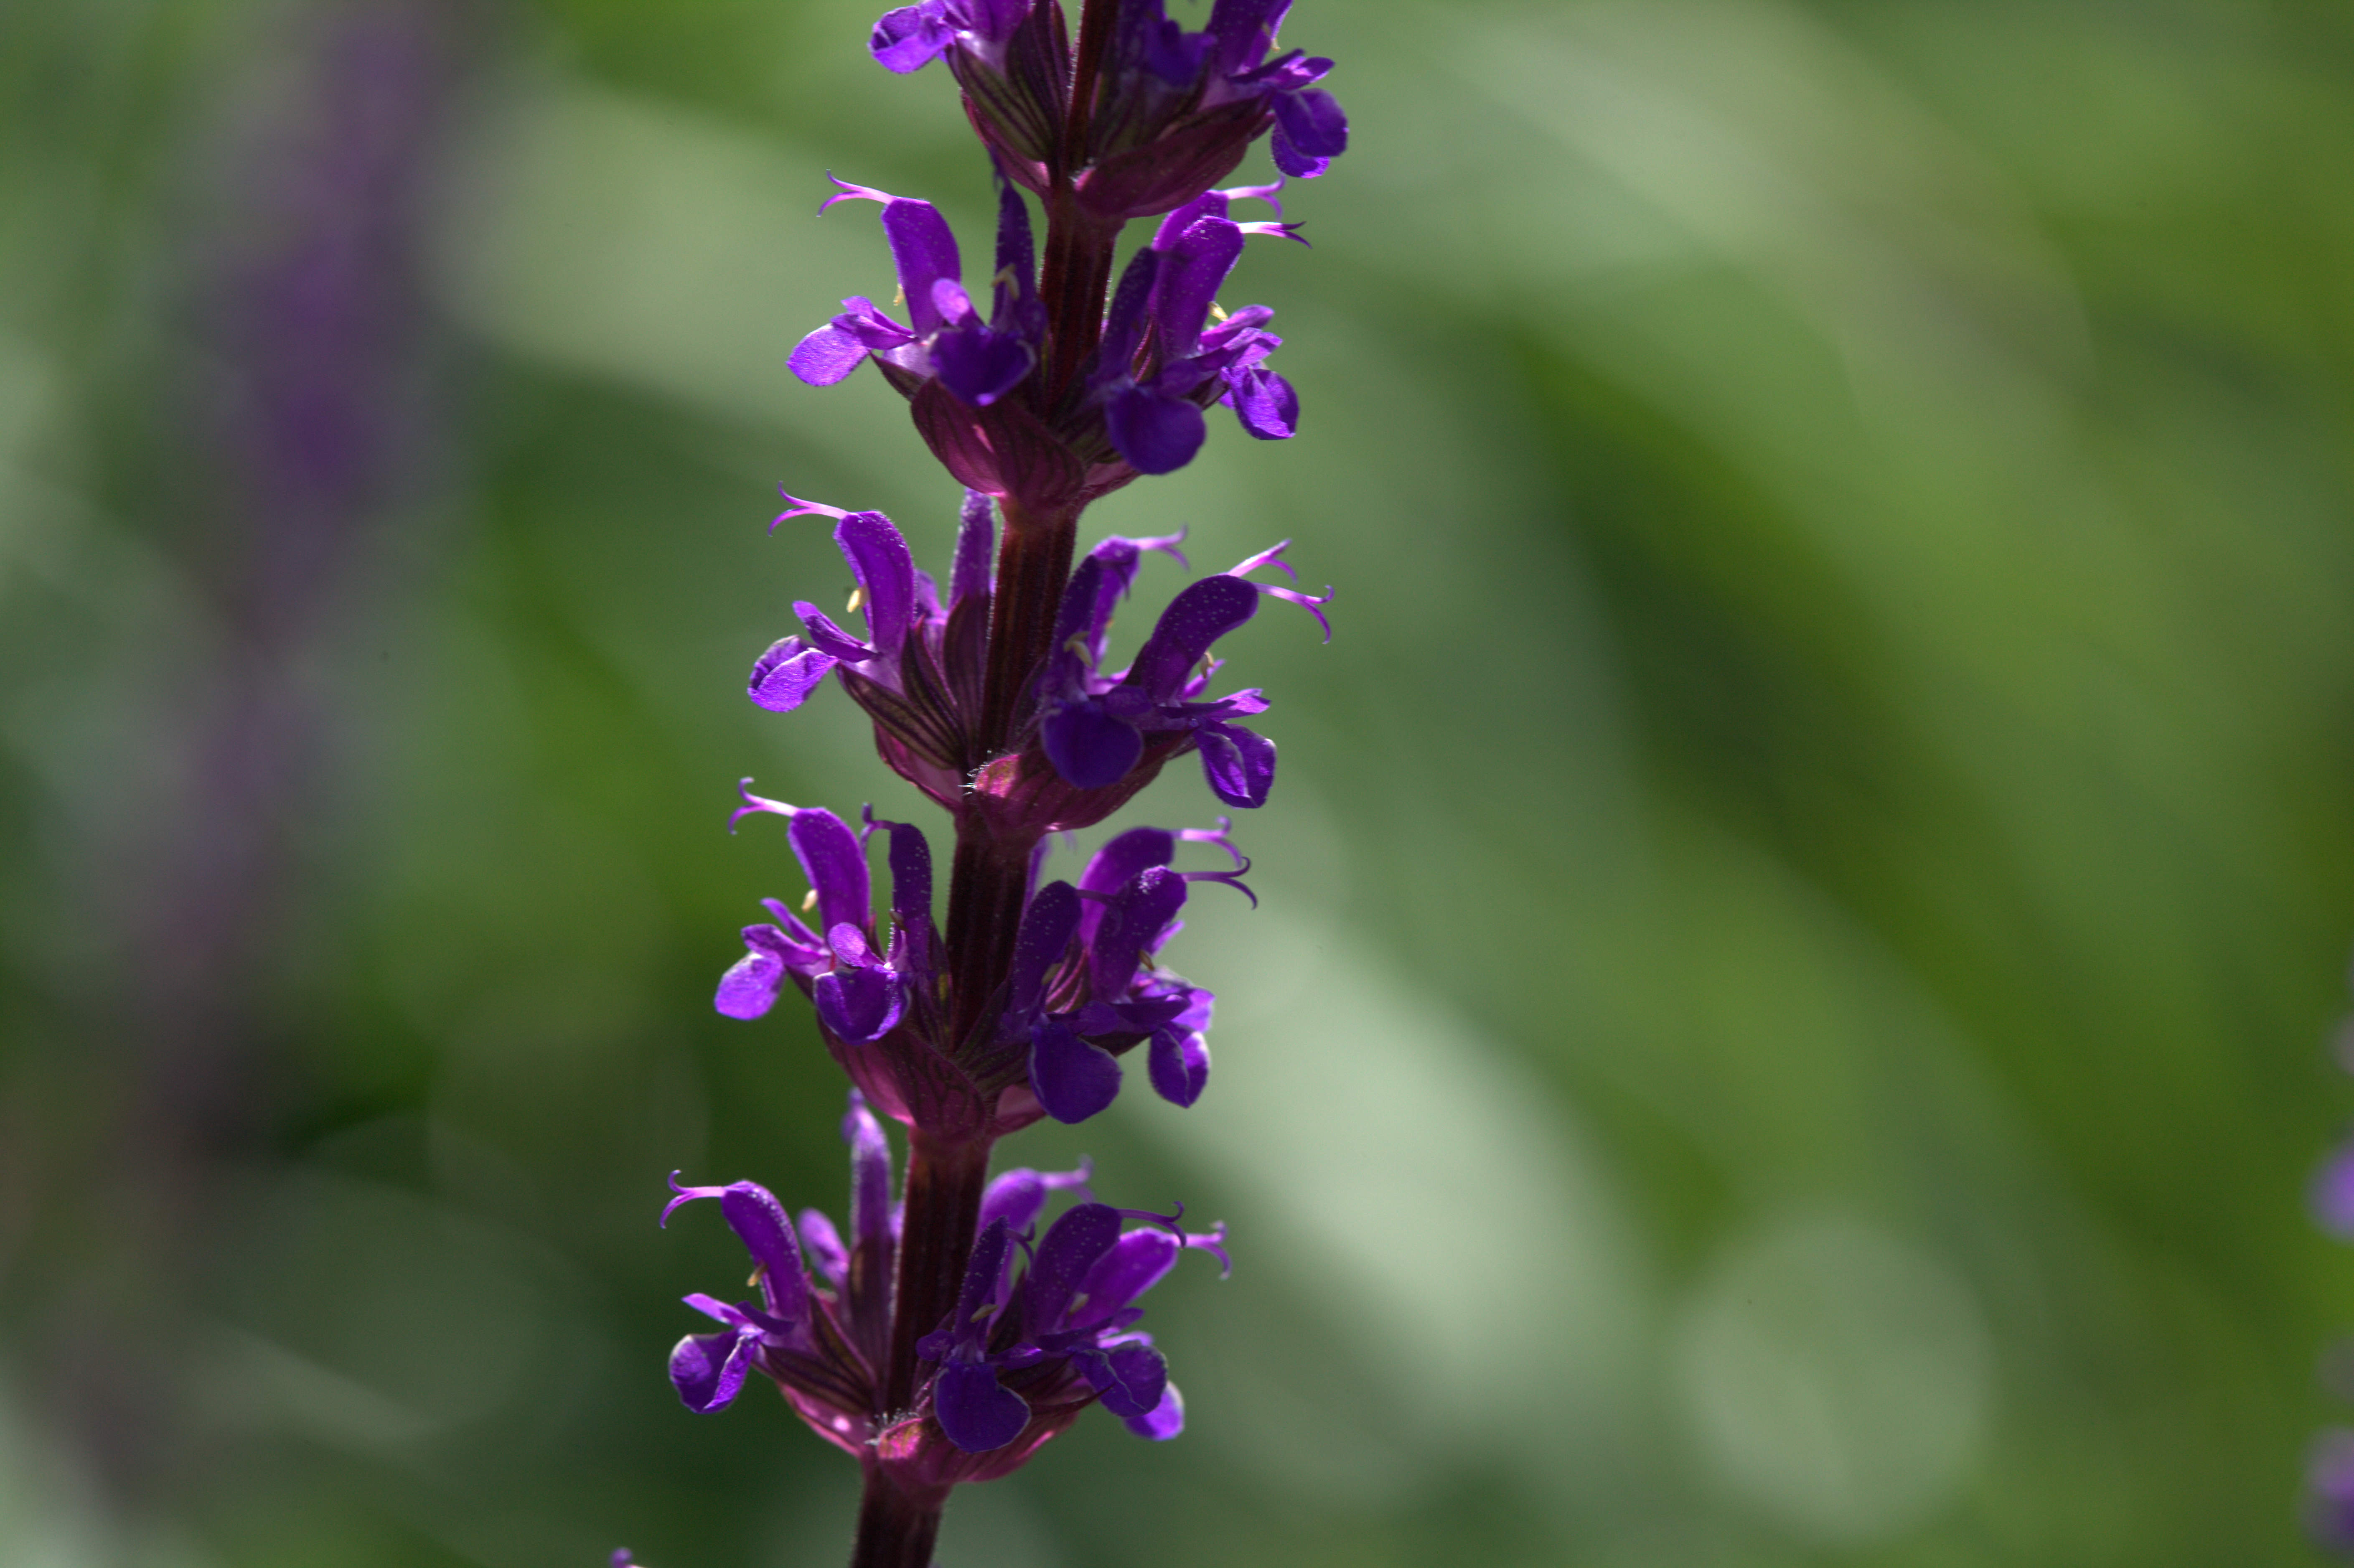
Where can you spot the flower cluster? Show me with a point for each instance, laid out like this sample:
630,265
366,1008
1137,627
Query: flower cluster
943,1337
1085,985
1019,1358
1084,740
981,391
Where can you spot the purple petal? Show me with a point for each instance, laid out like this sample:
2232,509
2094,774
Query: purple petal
1156,434
1134,917
1265,403
1046,931
1015,308
1132,1266
823,1245
1072,1079
1167,1420
784,676
1238,763
1073,1247
1197,264
826,356
1018,1196
924,251
857,1003
980,365
880,560
1244,31
753,1213
1179,1064
982,1271
835,864
750,987
1088,747
829,638
975,547
1204,611
1312,120
870,1174
1131,1380
911,872
975,1410
910,37
1124,322
708,1369
1115,865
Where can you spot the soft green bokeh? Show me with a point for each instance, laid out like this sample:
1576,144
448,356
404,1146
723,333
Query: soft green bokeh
1800,922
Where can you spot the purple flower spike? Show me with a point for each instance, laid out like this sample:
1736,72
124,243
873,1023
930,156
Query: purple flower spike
993,691
2333,1194
2329,1491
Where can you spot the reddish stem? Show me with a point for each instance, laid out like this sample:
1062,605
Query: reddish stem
894,1529
942,1210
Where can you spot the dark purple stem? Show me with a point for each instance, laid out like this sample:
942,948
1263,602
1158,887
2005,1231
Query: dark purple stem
894,1529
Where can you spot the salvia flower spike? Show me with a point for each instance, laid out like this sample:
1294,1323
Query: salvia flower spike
953,1323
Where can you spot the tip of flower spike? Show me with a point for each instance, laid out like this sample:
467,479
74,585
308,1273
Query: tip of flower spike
796,507
854,193
756,803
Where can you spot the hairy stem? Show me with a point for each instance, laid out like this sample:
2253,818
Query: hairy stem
1033,566
942,1204
894,1529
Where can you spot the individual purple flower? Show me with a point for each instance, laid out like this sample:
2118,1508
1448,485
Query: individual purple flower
820,1344
1086,985
1098,728
944,338
1163,358
917,672
1064,1335
861,984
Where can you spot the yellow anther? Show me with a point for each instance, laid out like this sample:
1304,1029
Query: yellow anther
1217,311
857,598
809,902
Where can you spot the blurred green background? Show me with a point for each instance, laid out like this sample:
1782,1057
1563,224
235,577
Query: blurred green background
1802,916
